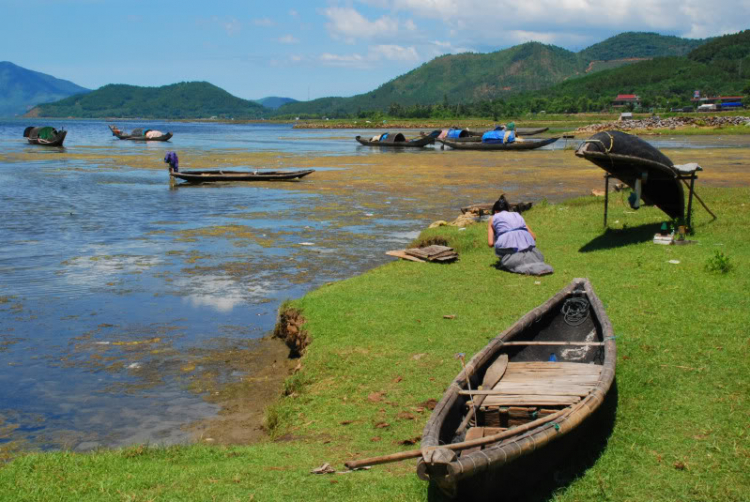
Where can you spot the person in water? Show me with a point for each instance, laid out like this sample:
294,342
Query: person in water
171,159
514,242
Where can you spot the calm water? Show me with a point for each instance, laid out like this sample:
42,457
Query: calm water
116,289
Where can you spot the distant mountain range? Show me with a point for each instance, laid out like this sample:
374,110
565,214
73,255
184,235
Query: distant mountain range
186,100
469,77
22,89
274,102
666,67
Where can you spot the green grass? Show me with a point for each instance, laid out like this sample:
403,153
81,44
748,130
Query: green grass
381,348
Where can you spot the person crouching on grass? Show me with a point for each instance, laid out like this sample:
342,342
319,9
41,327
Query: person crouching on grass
514,242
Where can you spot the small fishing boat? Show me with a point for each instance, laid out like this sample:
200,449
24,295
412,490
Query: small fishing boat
532,384
651,174
215,175
47,136
399,140
526,144
140,134
520,131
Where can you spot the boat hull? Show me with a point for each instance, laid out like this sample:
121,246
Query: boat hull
213,176
529,144
398,141
661,186
33,139
590,357
163,137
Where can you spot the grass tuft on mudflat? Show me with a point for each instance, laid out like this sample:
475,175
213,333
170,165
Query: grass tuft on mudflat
383,349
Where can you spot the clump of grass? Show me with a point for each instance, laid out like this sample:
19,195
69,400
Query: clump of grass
719,263
434,240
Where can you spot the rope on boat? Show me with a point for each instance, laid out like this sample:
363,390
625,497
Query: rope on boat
575,311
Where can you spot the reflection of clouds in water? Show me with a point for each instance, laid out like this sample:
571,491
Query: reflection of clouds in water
221,292
402,236
92,270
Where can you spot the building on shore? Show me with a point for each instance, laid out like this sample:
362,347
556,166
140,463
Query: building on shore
625,99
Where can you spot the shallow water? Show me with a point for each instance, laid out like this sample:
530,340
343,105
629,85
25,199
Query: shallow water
119,291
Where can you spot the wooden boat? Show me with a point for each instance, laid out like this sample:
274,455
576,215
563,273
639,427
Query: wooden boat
520,131
399,140
137,135
212,176
47,136
532,384
639,165
527,144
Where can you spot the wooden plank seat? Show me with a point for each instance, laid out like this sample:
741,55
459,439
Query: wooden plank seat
538,383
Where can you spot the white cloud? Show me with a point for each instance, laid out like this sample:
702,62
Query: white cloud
293,13
349,61
288,39
572,23
349,25
394,53
375,54
264,21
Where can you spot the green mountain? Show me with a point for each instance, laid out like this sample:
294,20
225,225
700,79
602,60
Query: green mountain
177,101
274,102
639,45
718,67
468,78
22,89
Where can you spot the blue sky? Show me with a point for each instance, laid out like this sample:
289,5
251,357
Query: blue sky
315,48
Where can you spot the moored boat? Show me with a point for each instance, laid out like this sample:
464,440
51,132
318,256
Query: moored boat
46,136
521,131
526,144
531,385
140,134
216,175
398,140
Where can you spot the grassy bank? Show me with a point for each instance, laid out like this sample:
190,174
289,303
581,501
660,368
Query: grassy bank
382,348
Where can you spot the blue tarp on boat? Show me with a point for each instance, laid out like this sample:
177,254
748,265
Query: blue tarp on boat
454,133
498,137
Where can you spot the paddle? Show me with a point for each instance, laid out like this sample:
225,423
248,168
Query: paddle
493,375
354,464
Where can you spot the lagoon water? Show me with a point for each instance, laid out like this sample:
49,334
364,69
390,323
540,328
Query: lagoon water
116,290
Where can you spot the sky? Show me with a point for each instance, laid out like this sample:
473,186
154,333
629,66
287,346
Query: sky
315,48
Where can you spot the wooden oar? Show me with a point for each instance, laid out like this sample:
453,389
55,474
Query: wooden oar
493,375
395,457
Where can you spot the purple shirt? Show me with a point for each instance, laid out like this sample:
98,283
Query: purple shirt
511,234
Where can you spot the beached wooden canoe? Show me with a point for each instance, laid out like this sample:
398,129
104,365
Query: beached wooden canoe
526,144
46,136
399,140
137,135
212,176
532,384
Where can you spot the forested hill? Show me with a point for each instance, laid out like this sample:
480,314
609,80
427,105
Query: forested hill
467,78
22,89
719,67
639,45
186,100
